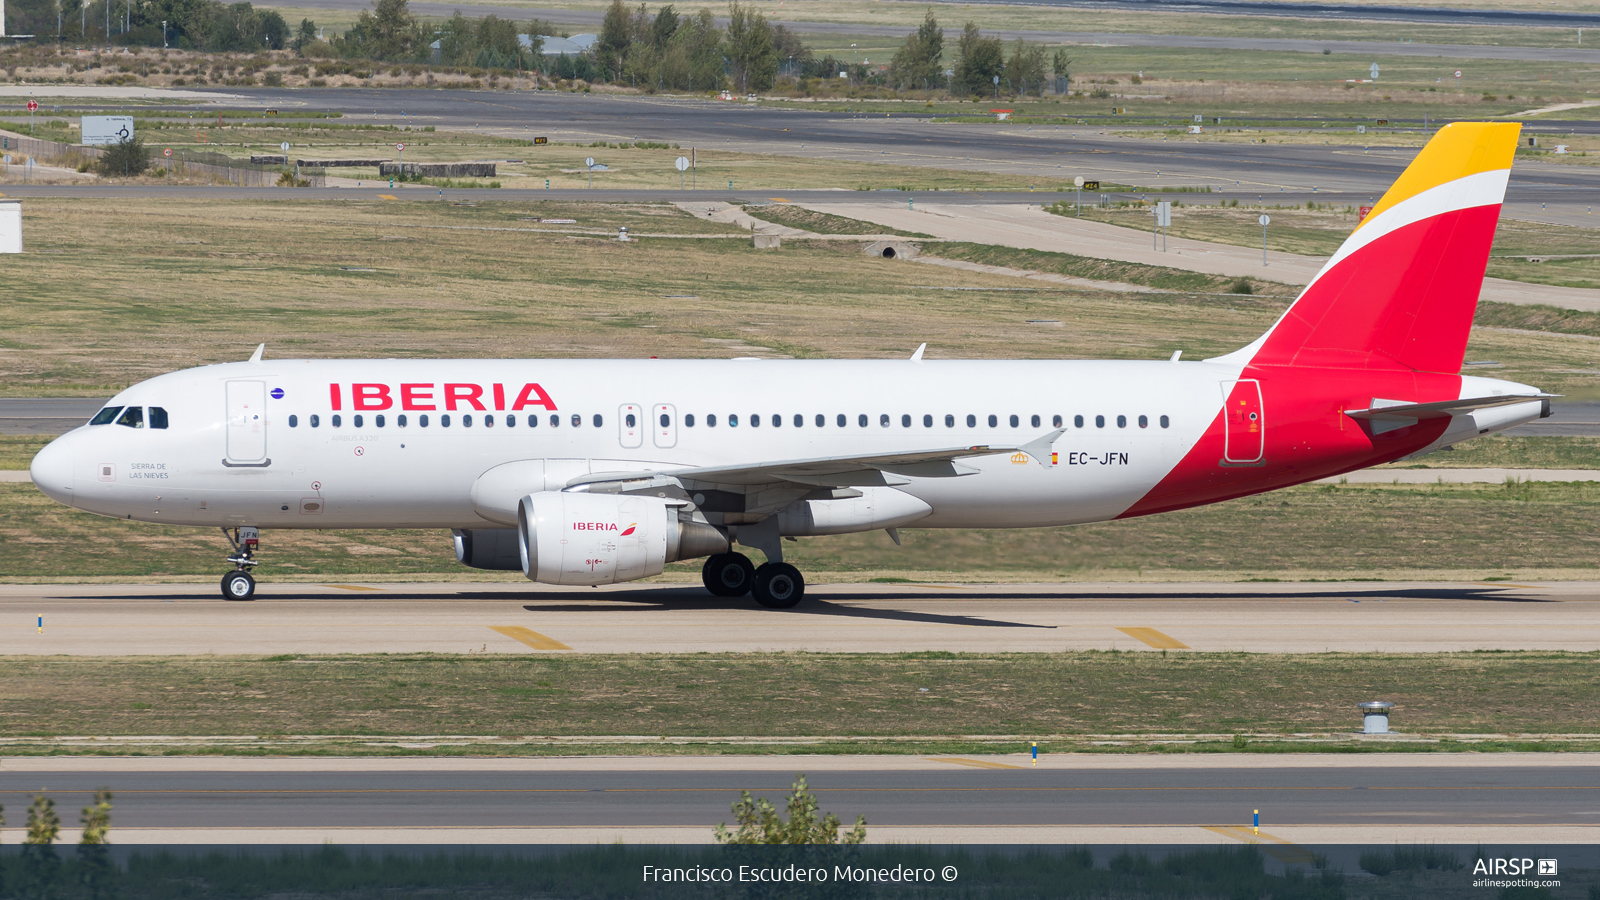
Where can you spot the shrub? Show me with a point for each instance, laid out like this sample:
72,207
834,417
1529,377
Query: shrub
125,158
273,79
1242,286
759,822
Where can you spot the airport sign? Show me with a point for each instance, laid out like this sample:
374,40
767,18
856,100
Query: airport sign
682,163
541,140
167,153
1091,185
33,106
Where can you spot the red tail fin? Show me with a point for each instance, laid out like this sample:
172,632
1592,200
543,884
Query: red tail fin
1402,289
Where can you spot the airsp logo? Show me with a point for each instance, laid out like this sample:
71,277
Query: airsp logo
1502,866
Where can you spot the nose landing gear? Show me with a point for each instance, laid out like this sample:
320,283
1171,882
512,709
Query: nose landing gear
240,584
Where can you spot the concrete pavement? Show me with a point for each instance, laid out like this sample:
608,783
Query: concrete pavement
520,618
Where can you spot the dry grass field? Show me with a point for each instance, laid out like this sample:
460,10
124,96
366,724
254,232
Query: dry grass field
859,695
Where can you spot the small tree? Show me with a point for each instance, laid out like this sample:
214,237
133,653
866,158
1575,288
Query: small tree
759,822
126,158
97,819
44,826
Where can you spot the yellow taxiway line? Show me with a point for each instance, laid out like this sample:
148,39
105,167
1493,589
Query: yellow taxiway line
1154,638
530,637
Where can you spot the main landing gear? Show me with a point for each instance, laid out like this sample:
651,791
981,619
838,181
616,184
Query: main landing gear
240,584
775,585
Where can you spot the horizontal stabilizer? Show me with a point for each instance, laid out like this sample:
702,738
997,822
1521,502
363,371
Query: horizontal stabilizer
1439,409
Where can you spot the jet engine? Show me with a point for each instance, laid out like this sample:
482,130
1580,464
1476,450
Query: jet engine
488,548
584,538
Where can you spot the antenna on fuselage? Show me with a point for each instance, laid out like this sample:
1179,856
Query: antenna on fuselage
917,356
256,356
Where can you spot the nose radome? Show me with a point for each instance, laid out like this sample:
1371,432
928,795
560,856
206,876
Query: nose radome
51,471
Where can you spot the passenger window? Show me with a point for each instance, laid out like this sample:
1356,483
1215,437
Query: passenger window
666,420
444,421
905,421
379,418
733,420
1099,421
883,420
630,420
316,420
1144,421
358,421
400,420
841,420
688,420
1035,421
422,421
1122,421
533,420
927,421
555,421
511,421
133,417
755,421
799,420
294,422
1077,421
972,421
777,420
599,421
1055,422
488,421
106,416
466,421
821,420
994,421
949,421
861,420
158,417
338,421
1163,421
1015,421
711,420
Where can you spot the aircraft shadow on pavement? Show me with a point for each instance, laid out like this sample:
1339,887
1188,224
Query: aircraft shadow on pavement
694,600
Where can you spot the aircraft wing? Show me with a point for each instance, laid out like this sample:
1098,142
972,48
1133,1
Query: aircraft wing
835,471
1438,409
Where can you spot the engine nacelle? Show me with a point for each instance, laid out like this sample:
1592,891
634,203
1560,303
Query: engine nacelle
582,538
488,548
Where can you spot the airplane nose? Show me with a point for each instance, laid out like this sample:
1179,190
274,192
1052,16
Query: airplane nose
51,472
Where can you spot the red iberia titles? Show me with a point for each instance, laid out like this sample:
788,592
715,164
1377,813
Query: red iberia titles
448,396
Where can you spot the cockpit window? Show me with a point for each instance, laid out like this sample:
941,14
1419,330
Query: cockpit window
106,416
133,417
158,417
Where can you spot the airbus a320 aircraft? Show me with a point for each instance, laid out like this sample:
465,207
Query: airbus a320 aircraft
584,472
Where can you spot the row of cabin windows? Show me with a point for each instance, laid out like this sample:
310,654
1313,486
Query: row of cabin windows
754,421
131,416
885,420
401,420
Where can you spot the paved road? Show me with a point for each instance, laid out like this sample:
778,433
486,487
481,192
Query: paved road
518,617
1275,172
979,800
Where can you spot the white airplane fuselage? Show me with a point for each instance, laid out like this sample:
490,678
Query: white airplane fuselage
264,463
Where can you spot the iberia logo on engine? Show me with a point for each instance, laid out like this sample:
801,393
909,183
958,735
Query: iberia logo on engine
629,530
596,526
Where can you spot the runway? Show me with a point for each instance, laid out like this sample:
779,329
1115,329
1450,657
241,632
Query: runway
1310,798
521,618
